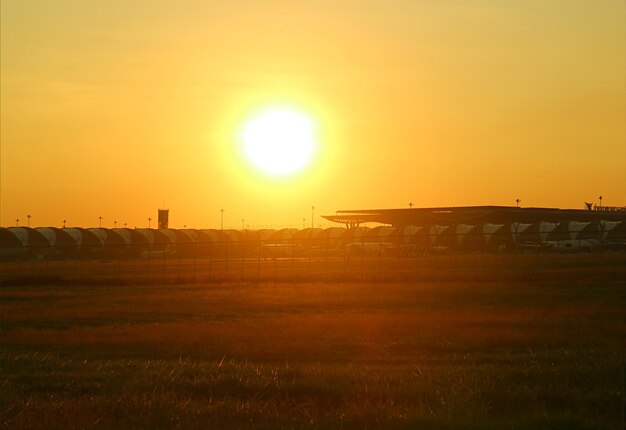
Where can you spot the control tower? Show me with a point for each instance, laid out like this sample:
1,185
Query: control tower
164,217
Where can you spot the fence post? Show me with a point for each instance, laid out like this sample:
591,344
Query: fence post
293,259
211,249
75,265
363,256
164,263
345,263
326,256
149,260
310,254
243,257
380,261
195,260
258,259
178,265
226,260
275,261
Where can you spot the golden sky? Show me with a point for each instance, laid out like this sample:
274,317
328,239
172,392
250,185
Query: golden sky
115,108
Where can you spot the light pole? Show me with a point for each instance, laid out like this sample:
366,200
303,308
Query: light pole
28,216
242,221
222,219
63,223
17,222
149,220
100,218
600,202
124,225
115,224
303,221
312,215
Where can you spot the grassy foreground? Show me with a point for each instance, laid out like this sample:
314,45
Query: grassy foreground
495,352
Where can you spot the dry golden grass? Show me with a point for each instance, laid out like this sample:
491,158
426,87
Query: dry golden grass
488,345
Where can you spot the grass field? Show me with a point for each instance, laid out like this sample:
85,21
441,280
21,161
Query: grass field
515,342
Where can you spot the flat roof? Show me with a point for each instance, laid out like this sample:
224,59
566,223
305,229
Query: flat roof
471,214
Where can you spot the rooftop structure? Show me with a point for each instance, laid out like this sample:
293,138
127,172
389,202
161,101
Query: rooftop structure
472,215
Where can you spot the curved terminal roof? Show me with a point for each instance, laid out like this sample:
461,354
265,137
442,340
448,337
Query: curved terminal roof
283,235
8,239
82,237
107,236
29,236
126,234
57,237
307,234
176,236
154,236
356,234
380,233
212,235
232,234
266,233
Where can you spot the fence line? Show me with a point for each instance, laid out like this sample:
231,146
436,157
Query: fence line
396,256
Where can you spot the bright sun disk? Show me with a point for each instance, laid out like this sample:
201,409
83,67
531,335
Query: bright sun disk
279,142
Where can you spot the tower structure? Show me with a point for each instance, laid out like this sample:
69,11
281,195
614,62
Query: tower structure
164,217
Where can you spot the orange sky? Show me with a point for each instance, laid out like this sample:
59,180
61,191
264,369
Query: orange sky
115,108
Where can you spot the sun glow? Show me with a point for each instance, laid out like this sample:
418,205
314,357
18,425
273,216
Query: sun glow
279,142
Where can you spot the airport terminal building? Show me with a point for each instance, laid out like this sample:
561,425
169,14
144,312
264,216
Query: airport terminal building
401,232
498,228
474,215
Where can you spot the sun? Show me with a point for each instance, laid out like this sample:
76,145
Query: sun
279,142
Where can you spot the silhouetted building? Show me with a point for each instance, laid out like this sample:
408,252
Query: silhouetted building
473,215
164,217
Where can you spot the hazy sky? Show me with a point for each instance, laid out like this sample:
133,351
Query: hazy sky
115,108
